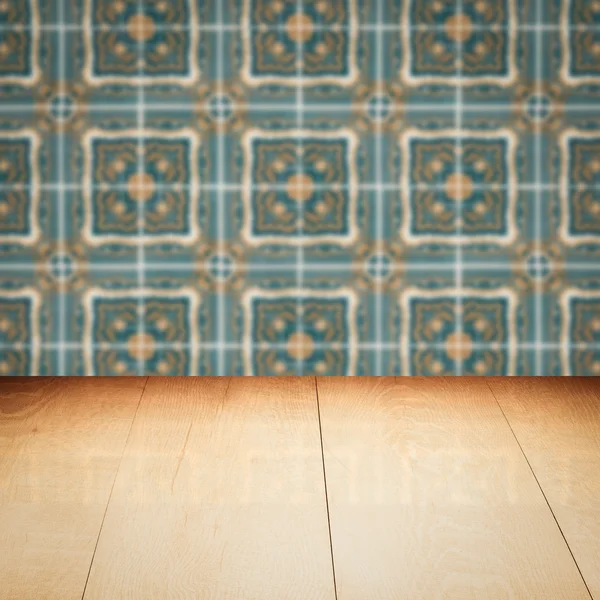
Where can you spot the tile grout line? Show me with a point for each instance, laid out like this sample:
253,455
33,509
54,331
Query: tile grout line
187,106
458,208
61,241
113,486
104,346
140,208
317,346
220,192
380,93
540,488
363,28
344,266
298,188
538,159
274,187
326,493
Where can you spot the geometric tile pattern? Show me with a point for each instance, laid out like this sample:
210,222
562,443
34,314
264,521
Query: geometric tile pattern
153,41
477,36
367,187
19,193
314,330
300,186
152,177
453,178
314,45
484,344
582,330
154,333
18,42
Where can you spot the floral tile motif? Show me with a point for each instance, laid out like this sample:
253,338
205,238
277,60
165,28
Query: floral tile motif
293,44
300,186
18,331
157,171
476,43
581,43
482,346
455,180
582,330
313,334
18,42
581,187
142,333
18,186
154,44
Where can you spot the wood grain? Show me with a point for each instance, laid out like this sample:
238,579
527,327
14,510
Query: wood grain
557,423
60,445
431,497
220,495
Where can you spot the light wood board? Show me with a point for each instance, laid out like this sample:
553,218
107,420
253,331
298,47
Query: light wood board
430,496
220,495
557,422
60,445
215,488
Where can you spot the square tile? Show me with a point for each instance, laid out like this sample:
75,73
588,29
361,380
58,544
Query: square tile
300,186
476,43
581,187
19,332
155,41
141,186
19,44
458,184
285,45
308,332
19,187
581,333
483,344
581,41
141,332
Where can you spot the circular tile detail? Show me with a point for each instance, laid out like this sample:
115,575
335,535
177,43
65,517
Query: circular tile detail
459,186
220,266
300,187
300,346
459,346
140,186
299,27
140,27
141,346
459,27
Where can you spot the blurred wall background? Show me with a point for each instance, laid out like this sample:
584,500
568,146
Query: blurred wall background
278,187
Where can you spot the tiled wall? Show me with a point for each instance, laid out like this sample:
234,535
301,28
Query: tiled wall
312,186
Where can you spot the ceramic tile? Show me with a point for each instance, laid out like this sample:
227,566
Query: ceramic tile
371,187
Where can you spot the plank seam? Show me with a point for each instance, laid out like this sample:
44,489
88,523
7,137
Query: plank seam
113,486
541,489
326,494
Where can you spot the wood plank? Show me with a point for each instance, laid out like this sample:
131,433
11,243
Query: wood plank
220,495
431,497
557,423
60,445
